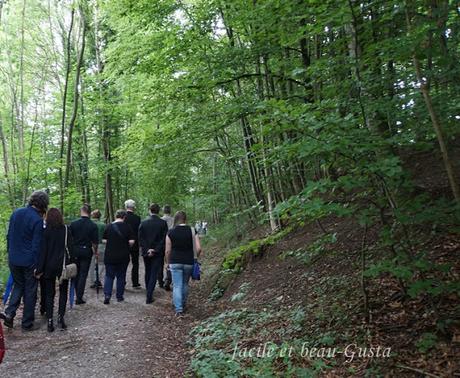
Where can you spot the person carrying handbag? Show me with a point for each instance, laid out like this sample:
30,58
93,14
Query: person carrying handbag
182,249
55,261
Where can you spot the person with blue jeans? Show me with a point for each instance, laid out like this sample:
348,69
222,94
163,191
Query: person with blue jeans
119,238
181,242
24,239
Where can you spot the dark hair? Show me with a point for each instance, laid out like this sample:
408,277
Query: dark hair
40,200
96,214
154,208
54,218
86,209
180,217
167,209
120,214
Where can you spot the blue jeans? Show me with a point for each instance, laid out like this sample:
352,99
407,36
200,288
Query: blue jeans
181,274
113,271
24,286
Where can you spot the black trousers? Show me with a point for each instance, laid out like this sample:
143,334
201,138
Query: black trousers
50,293
161,276
42,295
168,280
83,264
152,266
135,270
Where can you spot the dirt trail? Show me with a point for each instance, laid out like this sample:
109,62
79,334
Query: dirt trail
128,339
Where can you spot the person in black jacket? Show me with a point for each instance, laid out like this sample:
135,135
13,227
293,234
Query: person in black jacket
86,240
134,221
50,264
119,238
152,234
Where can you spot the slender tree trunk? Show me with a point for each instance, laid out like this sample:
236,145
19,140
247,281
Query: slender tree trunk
86,195
64,107
355,52
6,164
29,158
105,132
248,138
1,9
270,87
435,120
21,79
75,101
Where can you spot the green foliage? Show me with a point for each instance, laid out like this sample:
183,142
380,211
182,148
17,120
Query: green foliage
242,292
236,260
426,342
219,351
313,251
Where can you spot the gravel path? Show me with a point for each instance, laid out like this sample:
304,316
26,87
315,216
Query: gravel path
128,339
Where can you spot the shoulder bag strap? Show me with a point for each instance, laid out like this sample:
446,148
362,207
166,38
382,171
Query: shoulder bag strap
193,243
66,249
117,230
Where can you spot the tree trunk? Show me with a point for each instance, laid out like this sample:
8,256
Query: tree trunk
6,164
21,78
75,101
248,138
435,120
64,106
29,159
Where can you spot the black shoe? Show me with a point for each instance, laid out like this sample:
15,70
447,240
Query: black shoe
136,286
107,300
61,322
179,314
31,328
120,299
149,301
80,302
8,322
42,312
93,286
50,325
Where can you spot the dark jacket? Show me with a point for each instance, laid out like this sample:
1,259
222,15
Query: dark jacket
134,221
118,235
85,233
152,235
52,251
25,232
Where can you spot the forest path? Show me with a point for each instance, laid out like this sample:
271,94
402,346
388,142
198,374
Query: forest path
127,339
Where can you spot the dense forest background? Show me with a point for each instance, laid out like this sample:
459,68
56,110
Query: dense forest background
236,110
245,113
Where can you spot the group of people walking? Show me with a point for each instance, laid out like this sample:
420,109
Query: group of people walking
40,247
